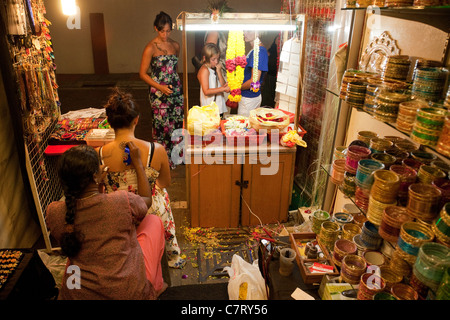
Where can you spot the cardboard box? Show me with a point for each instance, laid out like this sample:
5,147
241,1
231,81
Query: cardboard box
99,137
331,288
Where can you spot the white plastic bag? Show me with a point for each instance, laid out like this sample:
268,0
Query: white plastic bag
246,281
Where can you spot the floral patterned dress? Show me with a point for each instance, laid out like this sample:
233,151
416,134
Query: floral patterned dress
127,180
168,111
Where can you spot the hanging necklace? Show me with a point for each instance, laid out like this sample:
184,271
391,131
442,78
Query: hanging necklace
89,196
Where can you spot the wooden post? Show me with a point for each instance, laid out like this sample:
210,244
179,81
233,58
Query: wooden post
98,39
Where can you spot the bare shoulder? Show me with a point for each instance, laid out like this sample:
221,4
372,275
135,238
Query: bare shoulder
160,151
149,47
203,71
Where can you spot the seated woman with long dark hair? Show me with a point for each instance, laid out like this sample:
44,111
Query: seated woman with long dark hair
112,245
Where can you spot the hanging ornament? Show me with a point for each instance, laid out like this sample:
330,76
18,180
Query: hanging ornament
255,85
235,64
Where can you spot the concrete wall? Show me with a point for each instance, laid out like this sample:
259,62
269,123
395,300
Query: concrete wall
128,28
18,228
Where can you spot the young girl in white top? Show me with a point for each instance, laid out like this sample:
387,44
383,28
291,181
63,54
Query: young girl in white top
213,86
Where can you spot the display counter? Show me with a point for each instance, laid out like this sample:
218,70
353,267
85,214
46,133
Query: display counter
230,186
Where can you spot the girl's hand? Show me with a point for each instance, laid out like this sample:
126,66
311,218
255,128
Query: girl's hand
167,90
218,67
226,88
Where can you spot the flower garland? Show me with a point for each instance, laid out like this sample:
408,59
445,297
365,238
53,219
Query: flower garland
235,64
255,83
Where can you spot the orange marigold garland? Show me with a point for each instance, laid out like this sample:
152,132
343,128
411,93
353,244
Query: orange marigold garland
235,64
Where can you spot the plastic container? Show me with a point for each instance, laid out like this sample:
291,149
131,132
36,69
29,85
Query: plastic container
99,137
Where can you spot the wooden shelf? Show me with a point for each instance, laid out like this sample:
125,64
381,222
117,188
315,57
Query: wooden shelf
423,147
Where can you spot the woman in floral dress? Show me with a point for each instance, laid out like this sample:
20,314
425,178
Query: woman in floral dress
165,92
123,116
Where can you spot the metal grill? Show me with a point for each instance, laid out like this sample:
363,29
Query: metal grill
43,178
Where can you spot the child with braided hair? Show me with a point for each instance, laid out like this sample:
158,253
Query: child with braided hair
109,237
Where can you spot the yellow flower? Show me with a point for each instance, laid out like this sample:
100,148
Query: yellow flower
235,48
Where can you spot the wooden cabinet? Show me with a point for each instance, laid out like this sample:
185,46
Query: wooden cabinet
214,198
268,196
223,194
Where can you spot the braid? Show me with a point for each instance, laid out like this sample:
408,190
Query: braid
76,169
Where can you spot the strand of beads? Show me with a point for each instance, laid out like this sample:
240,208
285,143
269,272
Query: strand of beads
255,85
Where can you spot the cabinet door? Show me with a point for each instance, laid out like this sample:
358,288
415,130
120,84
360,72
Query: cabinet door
214,195
269,190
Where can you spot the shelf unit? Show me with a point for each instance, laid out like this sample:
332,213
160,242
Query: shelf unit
354,22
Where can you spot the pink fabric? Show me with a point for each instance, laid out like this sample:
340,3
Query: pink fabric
150,235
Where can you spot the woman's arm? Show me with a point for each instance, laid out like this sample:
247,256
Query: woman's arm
144,189
145,64
246,85
164,178
203,79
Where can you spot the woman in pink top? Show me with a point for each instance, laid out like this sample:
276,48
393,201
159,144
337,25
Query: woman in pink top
113,247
